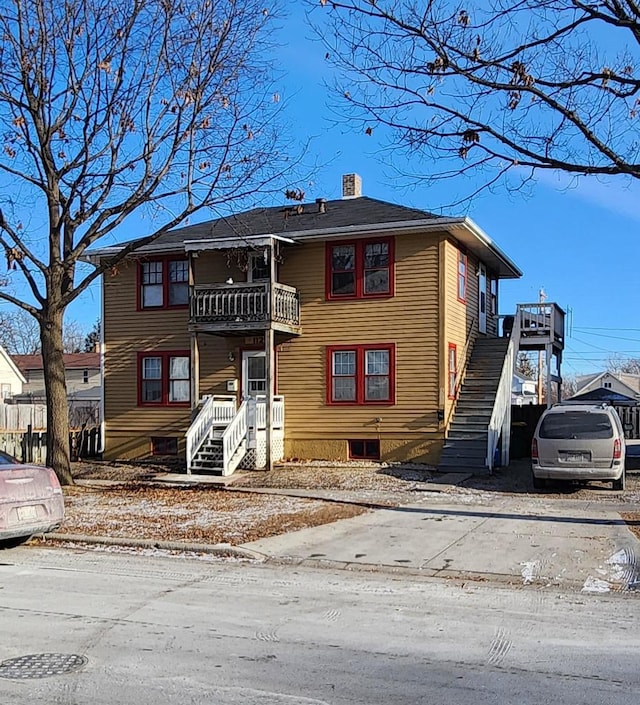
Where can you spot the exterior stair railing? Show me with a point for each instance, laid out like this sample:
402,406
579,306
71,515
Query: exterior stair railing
232,438
500,422
216,411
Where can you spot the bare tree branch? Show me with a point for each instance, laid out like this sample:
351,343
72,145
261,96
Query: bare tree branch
545,84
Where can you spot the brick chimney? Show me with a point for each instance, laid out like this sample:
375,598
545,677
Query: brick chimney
351,186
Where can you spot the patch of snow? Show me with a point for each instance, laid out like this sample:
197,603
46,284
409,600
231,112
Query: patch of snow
595,585
529,571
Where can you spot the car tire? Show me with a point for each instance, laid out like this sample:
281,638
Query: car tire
539,483
620,483
13,542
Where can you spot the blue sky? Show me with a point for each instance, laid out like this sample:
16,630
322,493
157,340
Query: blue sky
577,241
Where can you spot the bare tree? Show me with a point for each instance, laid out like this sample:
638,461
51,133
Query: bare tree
19,333
73,337
525,366
617,364
152,107
493,87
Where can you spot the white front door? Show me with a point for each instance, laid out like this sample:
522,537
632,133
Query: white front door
482,298
254,373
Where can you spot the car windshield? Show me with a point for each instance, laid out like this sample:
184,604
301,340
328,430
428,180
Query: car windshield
576,424
6,459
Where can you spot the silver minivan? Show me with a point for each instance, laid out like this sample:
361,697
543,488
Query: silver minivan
578,442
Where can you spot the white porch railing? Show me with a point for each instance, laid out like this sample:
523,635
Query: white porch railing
500,422
277,412
216,411
232,438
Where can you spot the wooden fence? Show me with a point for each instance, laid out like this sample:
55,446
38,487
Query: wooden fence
31,446
20,417
630,417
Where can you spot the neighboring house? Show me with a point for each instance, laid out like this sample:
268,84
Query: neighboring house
524,390
11,379
84,384
618,383
363,337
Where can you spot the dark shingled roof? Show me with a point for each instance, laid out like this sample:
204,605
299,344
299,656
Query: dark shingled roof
285,220
600,394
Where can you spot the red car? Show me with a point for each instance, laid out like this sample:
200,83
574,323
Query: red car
31,501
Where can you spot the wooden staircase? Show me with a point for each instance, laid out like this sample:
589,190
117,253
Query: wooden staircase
210,456
466,445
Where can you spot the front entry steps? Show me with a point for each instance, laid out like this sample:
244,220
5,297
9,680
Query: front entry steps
209,458
465,448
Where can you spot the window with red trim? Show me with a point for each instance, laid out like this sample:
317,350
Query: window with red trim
359,269
453,370
361,374
462,277
164,378
163,283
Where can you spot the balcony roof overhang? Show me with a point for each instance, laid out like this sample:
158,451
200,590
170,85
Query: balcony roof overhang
233,243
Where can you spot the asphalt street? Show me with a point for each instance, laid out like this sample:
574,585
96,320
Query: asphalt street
149,629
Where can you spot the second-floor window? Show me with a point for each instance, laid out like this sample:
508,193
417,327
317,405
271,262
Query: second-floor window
359,269
164,378
462,277
164,283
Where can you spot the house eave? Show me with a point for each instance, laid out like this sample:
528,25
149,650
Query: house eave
463,229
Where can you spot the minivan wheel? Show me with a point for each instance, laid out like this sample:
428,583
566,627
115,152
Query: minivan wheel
619,484
539,483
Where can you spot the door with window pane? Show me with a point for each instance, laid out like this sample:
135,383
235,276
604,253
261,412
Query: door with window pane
254,373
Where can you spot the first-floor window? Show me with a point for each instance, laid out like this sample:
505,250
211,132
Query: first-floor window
453,370
164,378
361,374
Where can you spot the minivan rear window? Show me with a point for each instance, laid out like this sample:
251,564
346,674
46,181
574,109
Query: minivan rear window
576,424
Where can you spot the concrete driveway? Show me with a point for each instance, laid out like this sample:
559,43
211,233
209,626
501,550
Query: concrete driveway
577,545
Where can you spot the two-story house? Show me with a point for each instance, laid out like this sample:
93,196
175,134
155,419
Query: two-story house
328,330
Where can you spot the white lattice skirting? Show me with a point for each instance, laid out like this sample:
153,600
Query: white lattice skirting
256,458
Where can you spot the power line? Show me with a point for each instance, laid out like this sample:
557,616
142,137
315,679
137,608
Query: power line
612,337
585,328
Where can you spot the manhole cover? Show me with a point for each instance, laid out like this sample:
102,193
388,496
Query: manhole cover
41,665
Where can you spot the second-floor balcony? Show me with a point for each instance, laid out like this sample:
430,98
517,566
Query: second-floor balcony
244,308
539,324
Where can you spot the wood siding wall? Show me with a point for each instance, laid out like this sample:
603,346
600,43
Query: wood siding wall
127,332
409,319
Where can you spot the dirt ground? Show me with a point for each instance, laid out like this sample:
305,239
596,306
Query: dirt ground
122,499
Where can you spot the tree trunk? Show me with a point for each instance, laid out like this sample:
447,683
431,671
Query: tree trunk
58,451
